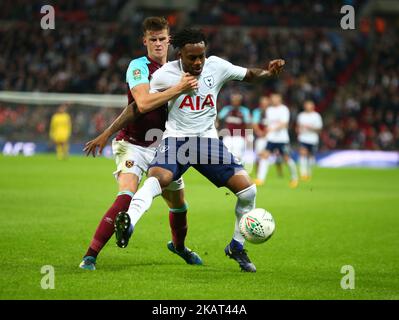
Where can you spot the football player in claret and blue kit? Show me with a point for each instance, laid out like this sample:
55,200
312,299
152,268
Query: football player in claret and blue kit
134,151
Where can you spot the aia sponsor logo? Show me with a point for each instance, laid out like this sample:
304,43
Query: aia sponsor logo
196,103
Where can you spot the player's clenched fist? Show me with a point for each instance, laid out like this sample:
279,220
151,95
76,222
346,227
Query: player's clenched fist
276,66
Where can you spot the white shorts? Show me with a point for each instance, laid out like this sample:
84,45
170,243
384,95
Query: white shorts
131,158
260,145
236,145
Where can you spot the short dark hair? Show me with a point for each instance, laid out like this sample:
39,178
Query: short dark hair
188,35
154,24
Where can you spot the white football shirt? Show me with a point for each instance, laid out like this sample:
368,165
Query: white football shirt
276,115
312,119
194,113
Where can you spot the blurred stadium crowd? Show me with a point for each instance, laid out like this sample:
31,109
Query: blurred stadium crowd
353,76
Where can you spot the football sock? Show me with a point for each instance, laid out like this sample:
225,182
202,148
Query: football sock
236,245
105,229
178,226
91,252
263,167
66,150
237,236
303,166
311,162
142,200
292,166
245,202
59,151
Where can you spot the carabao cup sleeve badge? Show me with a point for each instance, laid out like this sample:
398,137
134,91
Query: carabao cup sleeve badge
137,74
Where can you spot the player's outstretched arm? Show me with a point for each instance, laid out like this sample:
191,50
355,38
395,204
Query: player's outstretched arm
147,102
130,113
273,69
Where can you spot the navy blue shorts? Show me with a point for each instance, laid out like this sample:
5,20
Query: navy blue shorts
208,156
312,148
283,148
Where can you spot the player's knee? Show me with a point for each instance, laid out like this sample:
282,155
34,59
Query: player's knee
164,177
287,158
264,155
303,151
246,199
128,182
261,155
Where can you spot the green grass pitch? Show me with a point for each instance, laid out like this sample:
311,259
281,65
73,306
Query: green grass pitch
50,209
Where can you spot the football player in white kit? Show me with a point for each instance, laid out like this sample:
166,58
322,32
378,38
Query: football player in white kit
277,118
191,139
309,124
259,125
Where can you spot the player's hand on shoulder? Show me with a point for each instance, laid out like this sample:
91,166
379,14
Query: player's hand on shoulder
99,142
188,82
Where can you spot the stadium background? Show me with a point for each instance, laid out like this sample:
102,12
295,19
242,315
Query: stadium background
352,75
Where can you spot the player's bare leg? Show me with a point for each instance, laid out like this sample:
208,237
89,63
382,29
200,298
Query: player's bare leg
245,190
263,167
128,183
